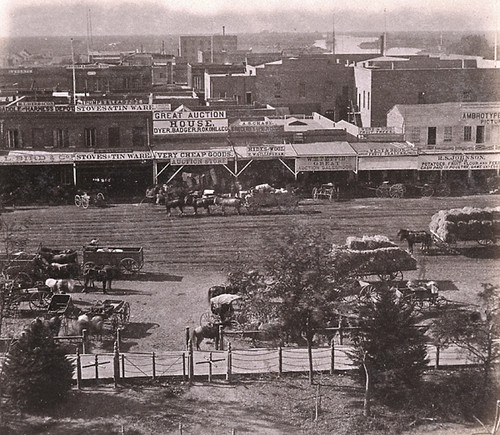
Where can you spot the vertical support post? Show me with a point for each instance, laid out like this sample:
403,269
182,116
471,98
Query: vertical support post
280,360
96,361
332,356
123,366
190,362
210,360
229,363
436,364
119,338
180,427
154,366
85,340
78,370
341,333
116,365
187,337
317,403
221,337
183,366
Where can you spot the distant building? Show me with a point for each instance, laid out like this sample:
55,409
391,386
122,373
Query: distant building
207,49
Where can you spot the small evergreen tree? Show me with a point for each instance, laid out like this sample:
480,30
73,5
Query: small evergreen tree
36,373
388,346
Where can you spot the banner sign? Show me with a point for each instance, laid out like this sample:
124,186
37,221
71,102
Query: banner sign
256,127
256,151
381,152
325,163
481,117
200,122
36,158
38,109
84,108
458,162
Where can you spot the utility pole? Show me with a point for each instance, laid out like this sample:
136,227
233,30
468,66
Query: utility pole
74,76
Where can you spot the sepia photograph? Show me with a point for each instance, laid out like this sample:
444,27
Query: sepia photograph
249,217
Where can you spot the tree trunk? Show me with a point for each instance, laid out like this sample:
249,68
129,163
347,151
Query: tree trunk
309,337
366,401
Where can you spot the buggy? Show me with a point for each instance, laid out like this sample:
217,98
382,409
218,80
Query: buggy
225,310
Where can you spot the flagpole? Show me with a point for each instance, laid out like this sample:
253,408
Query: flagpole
74,76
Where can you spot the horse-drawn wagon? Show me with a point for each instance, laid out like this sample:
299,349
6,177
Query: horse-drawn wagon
128,260
326,191
421,295
225,310
266,196
21,267
115,312
84,200
372,255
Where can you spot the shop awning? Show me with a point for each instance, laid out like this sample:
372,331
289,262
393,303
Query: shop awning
375,156
323,149
324,156
459,161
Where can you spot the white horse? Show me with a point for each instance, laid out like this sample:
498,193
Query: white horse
228,202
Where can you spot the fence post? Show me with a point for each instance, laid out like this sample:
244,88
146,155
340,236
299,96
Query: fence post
341,334
154,366
119,338
183,366
436,365
85,341
190,362
210,368
78,370
229,362
96,367
187,337
116,365
123,366
221,337
332,356
280,360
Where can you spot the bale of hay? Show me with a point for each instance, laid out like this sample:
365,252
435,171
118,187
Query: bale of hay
372,261
369,242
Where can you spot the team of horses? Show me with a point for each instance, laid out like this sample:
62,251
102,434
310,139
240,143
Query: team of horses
412,237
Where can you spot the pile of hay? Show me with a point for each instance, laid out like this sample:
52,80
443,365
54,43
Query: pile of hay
371,255
466,223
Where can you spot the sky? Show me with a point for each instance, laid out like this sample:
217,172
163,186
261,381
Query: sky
141,17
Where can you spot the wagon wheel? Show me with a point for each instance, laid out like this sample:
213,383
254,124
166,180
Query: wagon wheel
40,300
208,319
397,191
486,242
315,193
391,276
23,280
78,200
87,266
125,313
368,292
129,266
85,202
427,190
382,191
443,189
100,197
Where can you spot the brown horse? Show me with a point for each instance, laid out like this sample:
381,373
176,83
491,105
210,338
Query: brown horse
413,237
201,332
197,201
237,203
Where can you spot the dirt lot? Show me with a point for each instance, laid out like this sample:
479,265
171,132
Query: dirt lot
184,256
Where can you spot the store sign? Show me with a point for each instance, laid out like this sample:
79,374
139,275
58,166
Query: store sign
377,130
458,162
18,158
256,127
381,152
256,151
85,108
326,163
481,117
199,122
37,109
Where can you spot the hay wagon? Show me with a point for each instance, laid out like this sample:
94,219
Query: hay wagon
128,260
266,196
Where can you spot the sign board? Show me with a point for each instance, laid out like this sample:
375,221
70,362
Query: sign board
256,151
255,127
325,163
85,108
458,162
481,117
38,109
376,130
198,122
36,158
387,152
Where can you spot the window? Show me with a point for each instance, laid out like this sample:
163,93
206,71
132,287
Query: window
480,134
368,100
467,133
13,140
302,89
364,99
467,95
60,137
277,90
248,97
421,98
431,136
90,137
448,134
114,137
415,135
37,139
138,136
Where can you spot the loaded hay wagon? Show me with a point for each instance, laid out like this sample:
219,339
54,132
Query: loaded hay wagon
266,196
128,260
372,255
448,227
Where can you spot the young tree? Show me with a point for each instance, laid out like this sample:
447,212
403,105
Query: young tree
388,346
36,374
475,331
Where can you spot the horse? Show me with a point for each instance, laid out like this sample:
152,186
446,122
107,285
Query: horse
104,274
228,202
206,331
57,270
93,324
413,237
196,201
174,198
62,285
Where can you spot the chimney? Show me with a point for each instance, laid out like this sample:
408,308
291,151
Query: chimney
223,30
382,44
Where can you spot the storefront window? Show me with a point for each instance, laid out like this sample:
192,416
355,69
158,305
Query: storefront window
448,134
13,139
60,138
90,137
480,134
467,133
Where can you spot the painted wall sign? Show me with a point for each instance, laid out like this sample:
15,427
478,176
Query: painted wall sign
36,158
202,122
459,162
377,130
256,151
38,109
481,117
84,108
389,152
326,163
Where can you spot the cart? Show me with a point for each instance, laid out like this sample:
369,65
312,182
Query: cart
61,305
386,190
36,298
326,191
225,310
422,295
116,313
20,267
127,260
83,200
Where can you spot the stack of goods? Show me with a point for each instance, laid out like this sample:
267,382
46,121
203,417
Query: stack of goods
466,223
371,255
